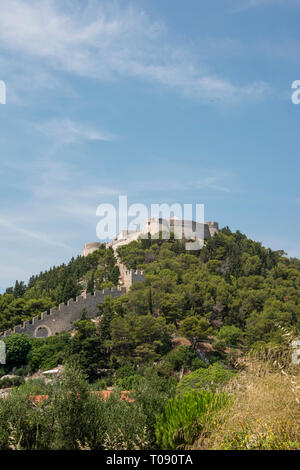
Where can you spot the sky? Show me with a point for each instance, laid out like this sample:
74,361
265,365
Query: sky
165,102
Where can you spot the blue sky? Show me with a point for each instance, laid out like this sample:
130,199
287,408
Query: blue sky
167,101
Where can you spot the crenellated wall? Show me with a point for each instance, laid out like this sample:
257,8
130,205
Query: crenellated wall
131,277
61,318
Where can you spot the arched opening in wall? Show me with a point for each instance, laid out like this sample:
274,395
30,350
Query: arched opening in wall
42,332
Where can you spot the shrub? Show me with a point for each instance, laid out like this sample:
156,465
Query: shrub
185,416
9,382
126,426
23,425
17,348
231,335
47,353
264,411
99,384
69,407
152,393
209,379
182,357
21,371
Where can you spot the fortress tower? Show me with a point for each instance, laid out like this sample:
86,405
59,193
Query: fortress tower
90,247
213,228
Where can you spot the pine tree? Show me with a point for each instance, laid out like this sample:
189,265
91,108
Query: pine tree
150,303
71,290
91,284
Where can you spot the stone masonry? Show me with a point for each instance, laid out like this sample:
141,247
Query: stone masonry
62,318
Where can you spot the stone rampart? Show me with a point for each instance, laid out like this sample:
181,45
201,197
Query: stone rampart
61,318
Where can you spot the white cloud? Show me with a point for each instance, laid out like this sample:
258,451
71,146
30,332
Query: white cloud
15,228
216,183
104,41
245,4
66,131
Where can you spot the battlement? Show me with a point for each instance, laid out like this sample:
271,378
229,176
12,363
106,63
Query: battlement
62,318
213,228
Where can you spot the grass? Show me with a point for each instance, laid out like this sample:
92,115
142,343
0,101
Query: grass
265,409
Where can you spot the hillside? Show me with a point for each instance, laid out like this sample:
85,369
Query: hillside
231,281
177,341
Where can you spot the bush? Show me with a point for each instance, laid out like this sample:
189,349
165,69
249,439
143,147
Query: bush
182,357
185,416
231,335
23,425
209,379
47,353
17,348
69,409
34,387
219,345
72,418
152,393
126,426
98,385
128,383
10,382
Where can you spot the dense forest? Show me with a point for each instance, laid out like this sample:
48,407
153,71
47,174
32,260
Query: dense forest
183,330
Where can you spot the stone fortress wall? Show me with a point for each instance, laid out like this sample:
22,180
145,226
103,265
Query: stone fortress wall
187,229
62,318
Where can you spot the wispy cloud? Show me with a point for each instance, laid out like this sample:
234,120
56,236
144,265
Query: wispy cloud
246,4
54,219
41,237
66,131
216,183
106,41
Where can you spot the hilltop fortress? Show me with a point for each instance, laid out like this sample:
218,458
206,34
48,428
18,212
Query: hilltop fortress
187,229
62,318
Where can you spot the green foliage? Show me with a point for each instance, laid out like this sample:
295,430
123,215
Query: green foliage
185,416
47,353
126,377
23,425
9,382
142,337
210,379
234,292
231,335
69,408
152,393
125,425
181,358
195,329
17,348
33,387
87,348
70,417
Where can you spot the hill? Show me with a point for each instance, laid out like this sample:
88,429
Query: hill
178,340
